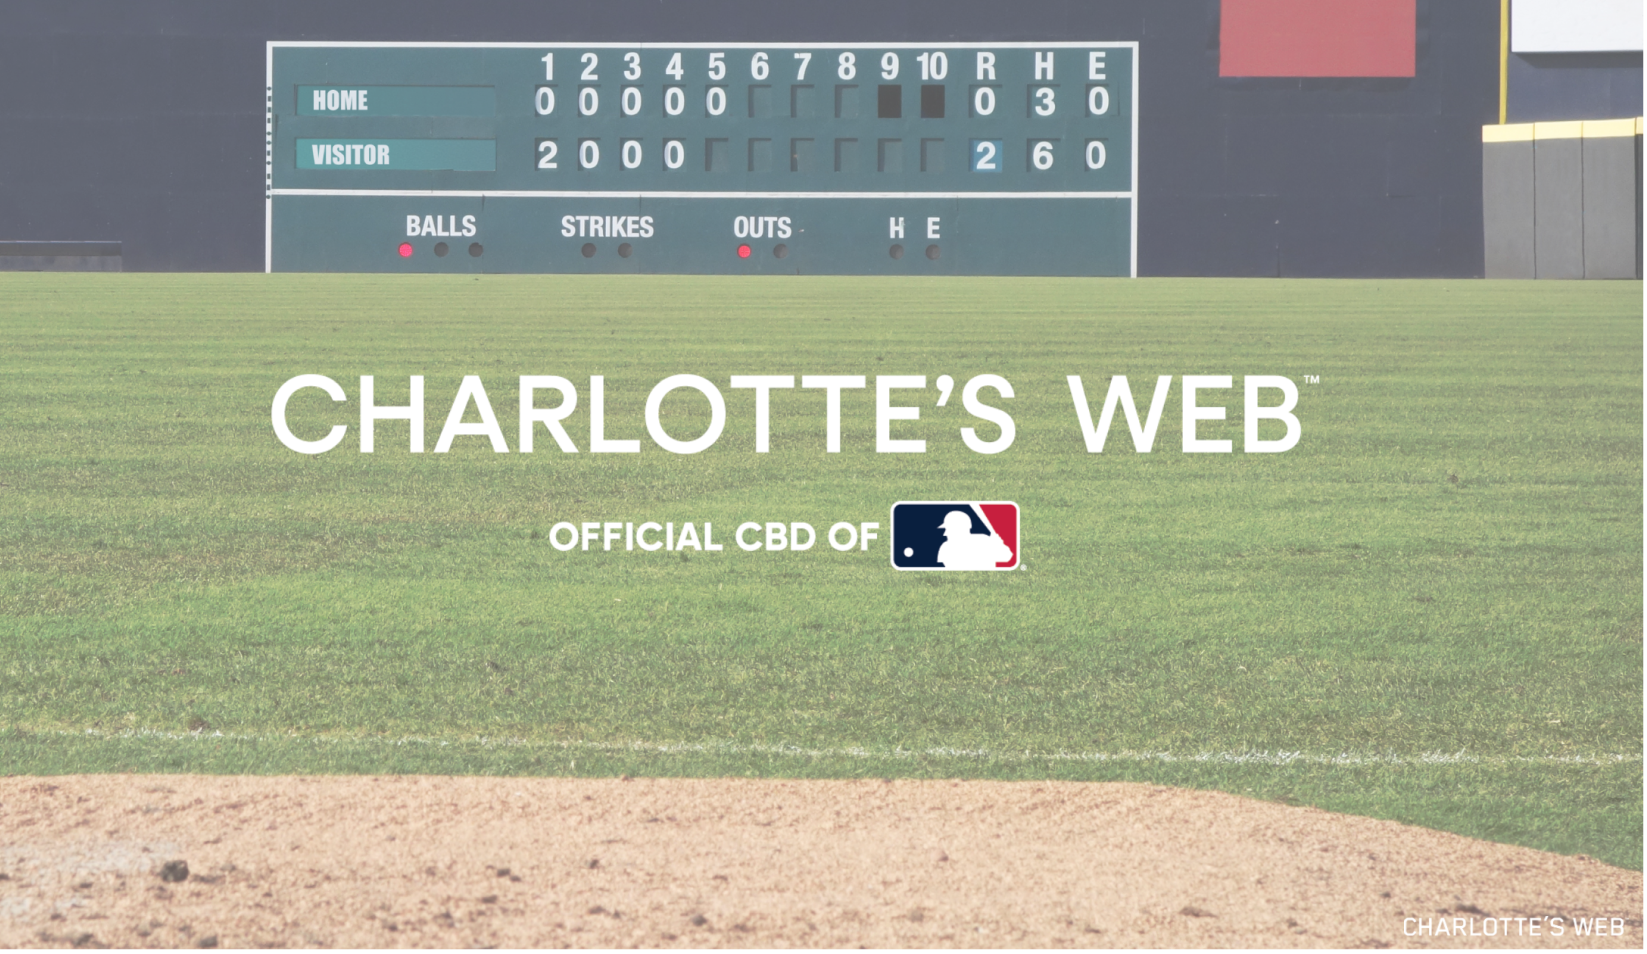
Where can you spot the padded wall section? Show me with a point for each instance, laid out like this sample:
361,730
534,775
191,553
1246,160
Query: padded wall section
1612,204
1558,200
1507,207
1641,207
1562,199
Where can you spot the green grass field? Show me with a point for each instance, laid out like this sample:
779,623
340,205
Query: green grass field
1430,610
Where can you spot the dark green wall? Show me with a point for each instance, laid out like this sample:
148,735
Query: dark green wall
142,120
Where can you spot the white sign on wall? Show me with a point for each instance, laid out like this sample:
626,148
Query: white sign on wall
1575,26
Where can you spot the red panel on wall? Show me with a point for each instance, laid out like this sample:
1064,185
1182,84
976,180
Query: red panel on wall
1317,37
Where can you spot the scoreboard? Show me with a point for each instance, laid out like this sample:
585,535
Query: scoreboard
731,158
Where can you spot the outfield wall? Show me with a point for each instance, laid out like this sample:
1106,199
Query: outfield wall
141,121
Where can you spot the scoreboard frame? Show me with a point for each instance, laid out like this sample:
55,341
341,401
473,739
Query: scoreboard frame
1130,195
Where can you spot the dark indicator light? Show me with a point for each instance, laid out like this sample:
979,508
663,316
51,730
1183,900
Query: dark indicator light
743,251
889,102
932,102
405,249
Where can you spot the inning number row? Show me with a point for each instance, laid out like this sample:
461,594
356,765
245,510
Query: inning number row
934,66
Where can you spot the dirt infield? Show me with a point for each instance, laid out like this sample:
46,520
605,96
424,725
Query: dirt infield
459,862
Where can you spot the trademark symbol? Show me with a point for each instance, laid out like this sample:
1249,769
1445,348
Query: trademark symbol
1312,379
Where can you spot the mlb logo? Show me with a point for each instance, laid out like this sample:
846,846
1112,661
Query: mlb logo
955,535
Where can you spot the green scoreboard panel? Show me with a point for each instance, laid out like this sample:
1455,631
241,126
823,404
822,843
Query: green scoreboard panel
730,158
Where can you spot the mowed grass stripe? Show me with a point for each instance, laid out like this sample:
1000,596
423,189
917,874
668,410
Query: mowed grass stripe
1234,758
1450,561
1468,797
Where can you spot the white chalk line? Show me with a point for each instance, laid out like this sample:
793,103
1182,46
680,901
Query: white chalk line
1249,757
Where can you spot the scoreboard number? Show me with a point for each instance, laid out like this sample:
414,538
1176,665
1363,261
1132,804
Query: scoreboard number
1097,100
986,155
1012,157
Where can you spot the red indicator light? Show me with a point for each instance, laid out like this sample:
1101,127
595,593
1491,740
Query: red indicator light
405,249
743,251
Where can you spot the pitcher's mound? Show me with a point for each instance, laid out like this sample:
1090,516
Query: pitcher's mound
191,861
